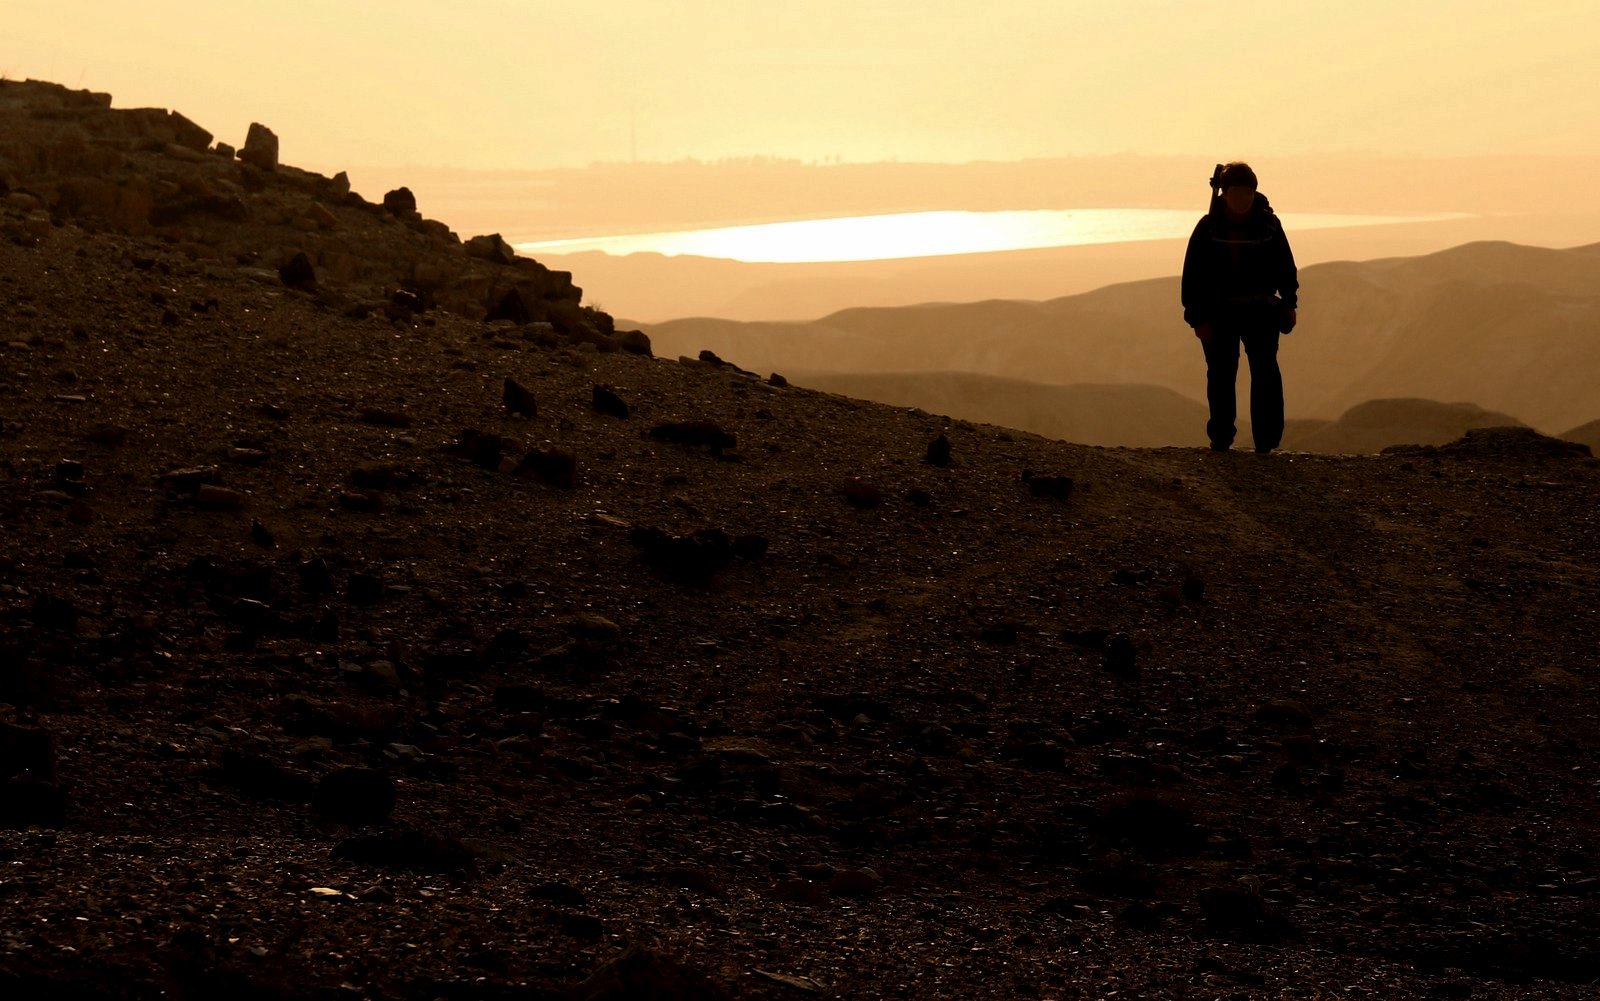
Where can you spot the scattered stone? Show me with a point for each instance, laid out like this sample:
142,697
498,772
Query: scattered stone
777,381
355,796
938,453
855,883
109,434
861,494
260,147
607,402
1285,712
261,536
1194,589
695,434
384,418
404,847
519,399
555,466
211,495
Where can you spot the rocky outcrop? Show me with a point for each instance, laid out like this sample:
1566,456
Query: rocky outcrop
67,158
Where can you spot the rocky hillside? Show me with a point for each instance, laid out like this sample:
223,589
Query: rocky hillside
67,158
398,653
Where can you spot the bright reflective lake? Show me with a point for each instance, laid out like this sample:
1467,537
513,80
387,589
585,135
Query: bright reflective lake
934,234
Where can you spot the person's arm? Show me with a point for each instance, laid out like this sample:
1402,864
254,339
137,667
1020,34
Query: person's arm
1288,276
1196,288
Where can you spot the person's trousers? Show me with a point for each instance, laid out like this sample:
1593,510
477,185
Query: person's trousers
1266,384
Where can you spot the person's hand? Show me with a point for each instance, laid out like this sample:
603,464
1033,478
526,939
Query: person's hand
1290,316
1203,331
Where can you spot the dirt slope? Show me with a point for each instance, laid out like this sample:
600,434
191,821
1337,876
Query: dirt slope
311,693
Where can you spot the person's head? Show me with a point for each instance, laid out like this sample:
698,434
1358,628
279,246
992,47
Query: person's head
1238,184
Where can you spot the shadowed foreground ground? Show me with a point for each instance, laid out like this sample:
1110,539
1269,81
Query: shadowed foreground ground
1192,725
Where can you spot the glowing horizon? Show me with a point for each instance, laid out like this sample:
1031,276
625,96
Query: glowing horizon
905,235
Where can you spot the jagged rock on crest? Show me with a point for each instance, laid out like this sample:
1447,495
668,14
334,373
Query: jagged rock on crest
260,147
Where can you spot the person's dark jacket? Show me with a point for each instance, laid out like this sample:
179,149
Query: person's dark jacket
1238,269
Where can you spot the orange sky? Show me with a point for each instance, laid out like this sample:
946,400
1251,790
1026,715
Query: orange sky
538,83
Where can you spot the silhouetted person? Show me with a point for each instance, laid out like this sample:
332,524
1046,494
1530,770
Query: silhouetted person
1239,287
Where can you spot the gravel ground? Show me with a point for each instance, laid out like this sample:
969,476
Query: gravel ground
316,687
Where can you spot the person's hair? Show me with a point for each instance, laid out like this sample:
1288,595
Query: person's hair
1237,173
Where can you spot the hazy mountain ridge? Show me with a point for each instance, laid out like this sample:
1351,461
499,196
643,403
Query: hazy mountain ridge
1500,324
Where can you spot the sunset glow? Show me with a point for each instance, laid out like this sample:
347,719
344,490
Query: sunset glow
930,234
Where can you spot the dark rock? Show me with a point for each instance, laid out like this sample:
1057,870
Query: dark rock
490,248
385,418
938,453
861,494
314,576
364,589
54,614
407,848
695,434
260,147
855,883
1194,589
1242,915
559,892
585,927
26,752
400,202
519,399
642,974
554,466
1004,633
750,547
361,500
777,380
694,559
635,342
919,497
1285,712
607,402
298,273
510,307
1121,656
29,802
483,449
1151,824
355,796
407,302
263,778
1059,487
1088,639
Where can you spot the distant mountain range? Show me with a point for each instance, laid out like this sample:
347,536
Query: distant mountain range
1510,328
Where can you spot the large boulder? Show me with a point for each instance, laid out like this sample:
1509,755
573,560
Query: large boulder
491,248
260,147
401,203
